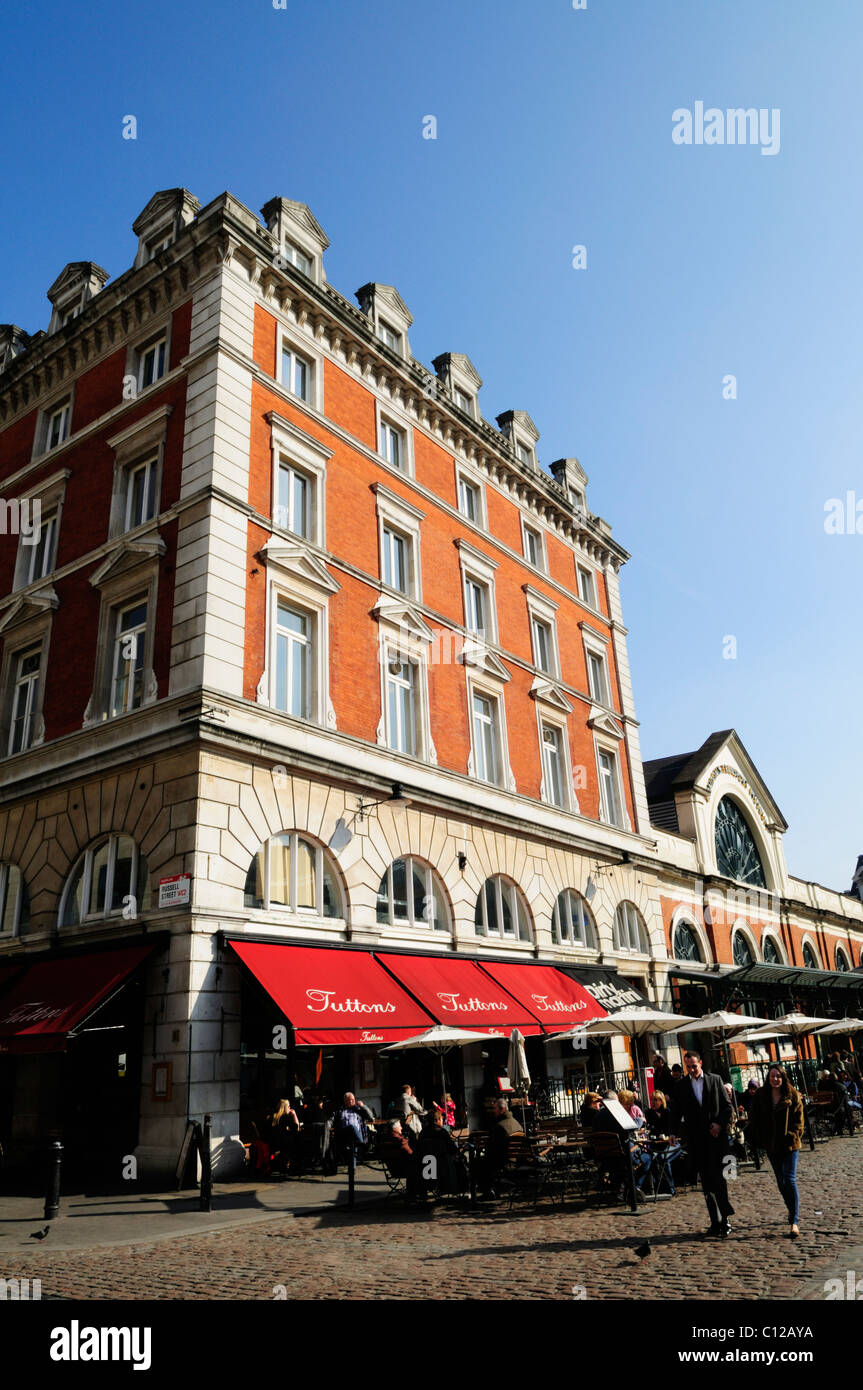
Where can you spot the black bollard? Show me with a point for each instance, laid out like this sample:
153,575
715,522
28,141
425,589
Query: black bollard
633,1197
206,1167
52,1196
352,1166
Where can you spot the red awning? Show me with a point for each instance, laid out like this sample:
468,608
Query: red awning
457,992
51,998
332,995
556,1000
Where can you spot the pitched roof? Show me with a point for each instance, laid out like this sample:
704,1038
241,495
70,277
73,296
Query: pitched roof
663,777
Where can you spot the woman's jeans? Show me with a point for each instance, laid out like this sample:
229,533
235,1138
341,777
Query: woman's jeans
785,1169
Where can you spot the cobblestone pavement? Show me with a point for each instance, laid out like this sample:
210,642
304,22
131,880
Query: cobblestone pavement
390,1253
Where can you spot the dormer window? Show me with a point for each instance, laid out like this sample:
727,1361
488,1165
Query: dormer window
159,243
296,257
76,284
389,337
521,434
299,235
391,318
571,477
13,340
164,218
461,379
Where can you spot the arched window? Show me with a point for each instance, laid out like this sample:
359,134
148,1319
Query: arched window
629,930
770,951
741,950
685,945
412,895
810,959
737,856
571,922
109,879
842,963
14,900
502,911
292,872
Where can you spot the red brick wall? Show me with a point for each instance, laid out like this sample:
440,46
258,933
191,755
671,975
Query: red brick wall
85,520
352,535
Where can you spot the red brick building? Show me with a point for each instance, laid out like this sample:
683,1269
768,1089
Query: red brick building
299,650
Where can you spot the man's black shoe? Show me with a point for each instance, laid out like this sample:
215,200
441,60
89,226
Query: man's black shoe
724,1228
712,1231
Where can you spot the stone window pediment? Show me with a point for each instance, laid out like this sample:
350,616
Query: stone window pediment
600,720
550,693
298,563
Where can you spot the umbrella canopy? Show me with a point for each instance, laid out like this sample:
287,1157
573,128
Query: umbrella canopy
628,1023
517,1062
723,1022
760,1035
842,1025
439,1039
798,1025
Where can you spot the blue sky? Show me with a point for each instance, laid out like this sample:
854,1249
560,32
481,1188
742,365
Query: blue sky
554,129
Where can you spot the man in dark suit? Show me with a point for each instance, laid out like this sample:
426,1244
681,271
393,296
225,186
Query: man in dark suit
703,1107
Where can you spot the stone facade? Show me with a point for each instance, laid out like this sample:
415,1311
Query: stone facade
265,368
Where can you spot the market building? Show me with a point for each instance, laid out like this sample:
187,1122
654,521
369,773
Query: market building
316,717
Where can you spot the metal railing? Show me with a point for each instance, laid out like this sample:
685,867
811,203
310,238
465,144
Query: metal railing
558,1099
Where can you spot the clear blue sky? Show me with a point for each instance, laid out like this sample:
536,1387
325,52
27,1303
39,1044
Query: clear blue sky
554,128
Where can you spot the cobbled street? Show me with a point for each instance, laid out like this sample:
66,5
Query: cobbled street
389,1253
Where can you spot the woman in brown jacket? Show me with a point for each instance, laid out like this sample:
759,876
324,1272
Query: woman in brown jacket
776,1118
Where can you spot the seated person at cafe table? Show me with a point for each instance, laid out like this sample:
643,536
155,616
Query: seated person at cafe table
436,1143
627,1100
658,1128
591,1111
399,1157
494,1159
642,1160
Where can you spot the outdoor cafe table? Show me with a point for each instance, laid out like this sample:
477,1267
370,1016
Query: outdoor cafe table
660,1149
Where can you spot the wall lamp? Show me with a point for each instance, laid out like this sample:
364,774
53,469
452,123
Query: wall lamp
396,799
